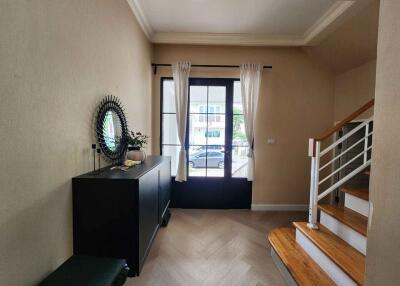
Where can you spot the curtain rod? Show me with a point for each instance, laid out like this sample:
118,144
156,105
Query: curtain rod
203,66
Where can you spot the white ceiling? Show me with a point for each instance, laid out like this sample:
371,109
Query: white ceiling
243,22
275,17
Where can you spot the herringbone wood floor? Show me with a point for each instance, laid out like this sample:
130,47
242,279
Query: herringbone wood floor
214,247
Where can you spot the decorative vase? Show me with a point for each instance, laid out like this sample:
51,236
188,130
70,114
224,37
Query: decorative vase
135,154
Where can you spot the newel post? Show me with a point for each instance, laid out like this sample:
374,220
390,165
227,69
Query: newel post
314,148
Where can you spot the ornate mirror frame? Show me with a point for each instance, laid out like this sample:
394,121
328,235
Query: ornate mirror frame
111,103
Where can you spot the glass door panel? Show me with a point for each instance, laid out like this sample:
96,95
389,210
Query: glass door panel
215,161
207,131
216,99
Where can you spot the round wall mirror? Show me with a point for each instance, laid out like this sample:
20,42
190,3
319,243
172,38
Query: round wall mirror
111,128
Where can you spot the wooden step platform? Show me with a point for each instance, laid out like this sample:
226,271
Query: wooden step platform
339,251
304,270
362,193
347,216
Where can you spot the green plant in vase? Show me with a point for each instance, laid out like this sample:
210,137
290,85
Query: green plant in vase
136,142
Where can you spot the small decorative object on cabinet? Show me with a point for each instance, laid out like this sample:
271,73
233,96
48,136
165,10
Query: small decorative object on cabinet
94,158
99,153
136,141
118,213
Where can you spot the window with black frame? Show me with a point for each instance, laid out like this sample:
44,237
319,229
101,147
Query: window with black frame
169,134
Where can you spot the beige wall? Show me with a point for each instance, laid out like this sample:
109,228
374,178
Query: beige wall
383,247
353,89
296,103
58,59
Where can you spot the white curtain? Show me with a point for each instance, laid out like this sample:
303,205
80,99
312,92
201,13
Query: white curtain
250,80
181,71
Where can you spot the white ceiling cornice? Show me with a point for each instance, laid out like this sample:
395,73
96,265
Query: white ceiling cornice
309,37
141,18
321,25
226,39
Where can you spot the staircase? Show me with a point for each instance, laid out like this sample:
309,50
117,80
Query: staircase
331,250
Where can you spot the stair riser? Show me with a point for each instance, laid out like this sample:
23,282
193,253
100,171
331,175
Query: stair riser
330,267
352,237
356,204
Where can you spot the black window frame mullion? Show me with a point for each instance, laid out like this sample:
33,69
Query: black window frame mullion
229,129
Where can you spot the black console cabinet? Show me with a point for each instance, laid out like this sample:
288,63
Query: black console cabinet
117,213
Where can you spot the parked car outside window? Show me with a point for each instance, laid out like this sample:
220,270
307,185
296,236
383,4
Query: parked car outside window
209,159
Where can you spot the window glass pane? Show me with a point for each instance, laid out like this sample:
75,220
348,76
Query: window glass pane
237,98
239,134
197,129
198,99
215,161
215,133
197,161
239,162
216,99
172,151
168,96
215,148
169,129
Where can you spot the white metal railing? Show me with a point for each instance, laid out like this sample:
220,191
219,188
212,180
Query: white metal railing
316,154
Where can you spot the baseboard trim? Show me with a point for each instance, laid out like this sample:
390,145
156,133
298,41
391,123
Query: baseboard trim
278,207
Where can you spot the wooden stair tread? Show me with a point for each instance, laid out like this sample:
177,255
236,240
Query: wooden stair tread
348,217
362,193
339,251
304,270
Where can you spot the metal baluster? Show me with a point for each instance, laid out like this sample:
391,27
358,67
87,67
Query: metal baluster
366,143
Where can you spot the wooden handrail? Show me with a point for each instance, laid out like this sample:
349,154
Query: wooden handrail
346,120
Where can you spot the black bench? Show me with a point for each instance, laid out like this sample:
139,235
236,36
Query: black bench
89,271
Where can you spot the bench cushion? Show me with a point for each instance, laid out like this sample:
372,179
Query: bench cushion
88,271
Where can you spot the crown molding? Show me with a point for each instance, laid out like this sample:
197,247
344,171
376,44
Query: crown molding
141,18
226,39
321,25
